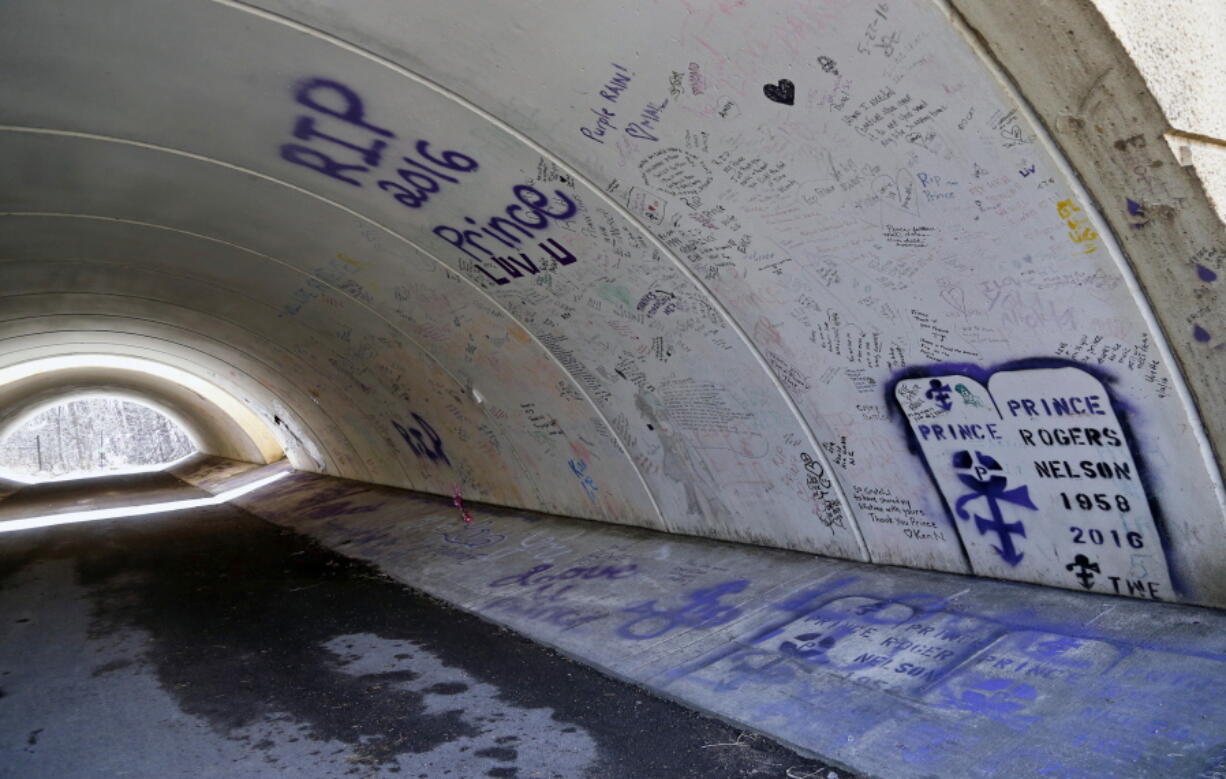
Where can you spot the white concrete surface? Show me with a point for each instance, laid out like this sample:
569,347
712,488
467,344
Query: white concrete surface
659,265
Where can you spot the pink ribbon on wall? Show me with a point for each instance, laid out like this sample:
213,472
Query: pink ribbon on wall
457,500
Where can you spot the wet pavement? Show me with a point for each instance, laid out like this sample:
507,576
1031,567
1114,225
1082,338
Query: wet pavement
210,643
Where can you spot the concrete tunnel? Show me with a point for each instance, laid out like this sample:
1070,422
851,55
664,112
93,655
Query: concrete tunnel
920,283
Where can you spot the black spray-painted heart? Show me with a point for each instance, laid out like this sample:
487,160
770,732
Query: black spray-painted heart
783,92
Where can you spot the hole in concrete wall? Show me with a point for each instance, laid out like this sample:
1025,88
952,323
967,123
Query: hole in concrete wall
92,436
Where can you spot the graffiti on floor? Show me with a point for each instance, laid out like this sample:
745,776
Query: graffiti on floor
473,535
901,645
1013,671
1040,683
545,594
701,609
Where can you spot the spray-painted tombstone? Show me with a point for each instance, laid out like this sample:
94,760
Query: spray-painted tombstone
1040,479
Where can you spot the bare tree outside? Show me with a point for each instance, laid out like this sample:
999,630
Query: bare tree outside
92,435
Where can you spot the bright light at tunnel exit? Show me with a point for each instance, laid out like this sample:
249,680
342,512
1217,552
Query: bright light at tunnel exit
67,518
250,423
30,476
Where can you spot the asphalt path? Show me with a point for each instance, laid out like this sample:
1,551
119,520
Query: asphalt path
210,643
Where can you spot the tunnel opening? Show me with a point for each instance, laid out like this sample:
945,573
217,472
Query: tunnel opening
93,436
212,418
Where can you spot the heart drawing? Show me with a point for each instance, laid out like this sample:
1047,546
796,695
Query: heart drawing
783,92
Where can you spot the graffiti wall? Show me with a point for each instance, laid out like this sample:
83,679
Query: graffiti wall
800,274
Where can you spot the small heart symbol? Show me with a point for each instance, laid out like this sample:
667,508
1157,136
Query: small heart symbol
783,92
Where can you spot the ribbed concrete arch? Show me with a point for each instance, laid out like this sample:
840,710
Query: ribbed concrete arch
806,274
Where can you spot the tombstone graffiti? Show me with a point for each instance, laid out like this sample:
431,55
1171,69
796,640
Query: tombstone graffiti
1040,478
901,644
981,475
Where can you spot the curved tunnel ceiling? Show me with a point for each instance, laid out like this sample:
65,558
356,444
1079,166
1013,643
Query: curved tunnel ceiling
787,274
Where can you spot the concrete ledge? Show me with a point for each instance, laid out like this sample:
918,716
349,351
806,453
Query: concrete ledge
889,671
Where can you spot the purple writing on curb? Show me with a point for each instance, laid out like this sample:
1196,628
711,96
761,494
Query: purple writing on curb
533,577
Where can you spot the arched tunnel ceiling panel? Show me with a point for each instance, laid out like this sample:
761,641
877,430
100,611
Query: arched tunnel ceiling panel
232,284
383,455
724,404
426,314
809,266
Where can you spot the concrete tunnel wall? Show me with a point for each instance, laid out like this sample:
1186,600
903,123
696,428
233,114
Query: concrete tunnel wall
805,274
